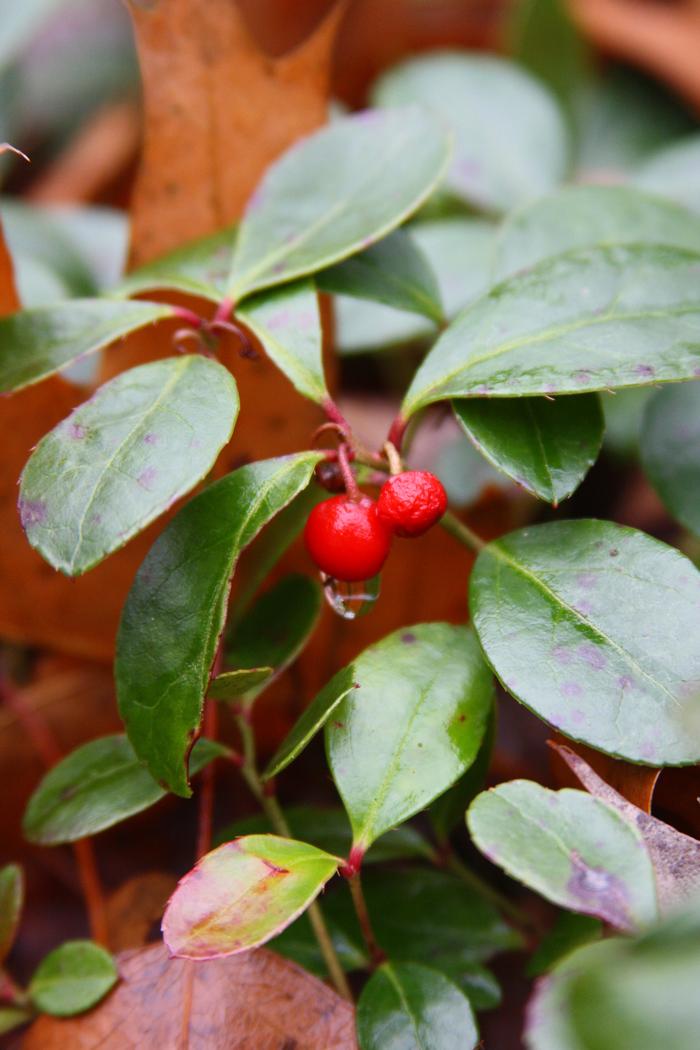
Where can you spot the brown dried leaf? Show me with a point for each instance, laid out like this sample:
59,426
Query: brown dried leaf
135,907
675,857
217,112
255,1001
635,783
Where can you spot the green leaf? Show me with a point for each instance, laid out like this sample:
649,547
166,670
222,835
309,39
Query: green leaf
123,457
563,613
329,830
12,1017
585,320
458,251
312,721
328,197
670,449
570,931
11,902
643,992
242,894
447,811
35,343
407,1006
277,628
547,447
198,268
546,41
288,324
38,241
587,217
571,848
510,137
411,726
232,684
673,172
21,24
394,272
298,943
72,978
96,786
175,610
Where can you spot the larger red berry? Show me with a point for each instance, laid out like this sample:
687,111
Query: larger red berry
346,539
411,502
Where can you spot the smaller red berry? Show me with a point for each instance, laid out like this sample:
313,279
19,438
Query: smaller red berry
346,539
410,503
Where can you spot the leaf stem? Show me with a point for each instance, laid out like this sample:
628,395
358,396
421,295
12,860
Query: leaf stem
265,795
461,532
351,486
376,954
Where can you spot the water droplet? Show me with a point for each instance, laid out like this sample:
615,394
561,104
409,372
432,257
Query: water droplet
350,600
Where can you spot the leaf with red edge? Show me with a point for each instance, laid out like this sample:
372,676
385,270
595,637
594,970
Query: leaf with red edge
242,894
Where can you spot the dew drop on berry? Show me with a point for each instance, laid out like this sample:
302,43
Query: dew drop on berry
350,600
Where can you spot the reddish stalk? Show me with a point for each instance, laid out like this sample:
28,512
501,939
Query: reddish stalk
49,752
189,316
349,479
377,956
397,431
336,416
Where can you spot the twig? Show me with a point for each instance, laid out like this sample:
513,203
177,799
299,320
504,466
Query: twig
376,954
451,523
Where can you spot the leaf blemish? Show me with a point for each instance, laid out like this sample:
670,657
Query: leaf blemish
150,438
599,890
592,656
571,689
408,638
76,431
147,477
32,512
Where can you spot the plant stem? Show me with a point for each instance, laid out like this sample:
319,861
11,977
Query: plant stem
49,752
273,812
376,954
351,486
461,532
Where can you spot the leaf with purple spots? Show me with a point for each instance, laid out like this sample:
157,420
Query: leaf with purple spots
328,196
288,324
590,319
35,343
242,894
596,628
670,450
569,847
546,446
122,458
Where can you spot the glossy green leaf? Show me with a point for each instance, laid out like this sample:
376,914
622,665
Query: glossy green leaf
586,217
328,196
643,992
670,449
510,137
673,172
35,343
123,457
199,268
466,475
571,930
11,902
564,612
12,1017
298,943
277,627
545,446
72,978
585,320
37,240
447,811
242,894
458,251
394,272
407,1006
410,727
545,40
96,786
232,684
288,324
571,848
175,610
329,830
312,721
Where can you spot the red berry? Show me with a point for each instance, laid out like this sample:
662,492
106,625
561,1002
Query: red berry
346,539
411,502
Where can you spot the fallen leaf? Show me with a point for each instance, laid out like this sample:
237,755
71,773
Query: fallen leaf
674,856
135,907
635,783
256,1001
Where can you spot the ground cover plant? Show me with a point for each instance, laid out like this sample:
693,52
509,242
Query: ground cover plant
523,303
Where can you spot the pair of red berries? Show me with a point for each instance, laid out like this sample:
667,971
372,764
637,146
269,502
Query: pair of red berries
349,539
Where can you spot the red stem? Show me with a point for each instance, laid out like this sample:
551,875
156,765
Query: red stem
351,486
223,311
336,416
397,431
189,316
49,752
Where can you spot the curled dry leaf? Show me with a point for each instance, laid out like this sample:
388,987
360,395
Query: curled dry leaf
135,907
635,783
256,1001
674,856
